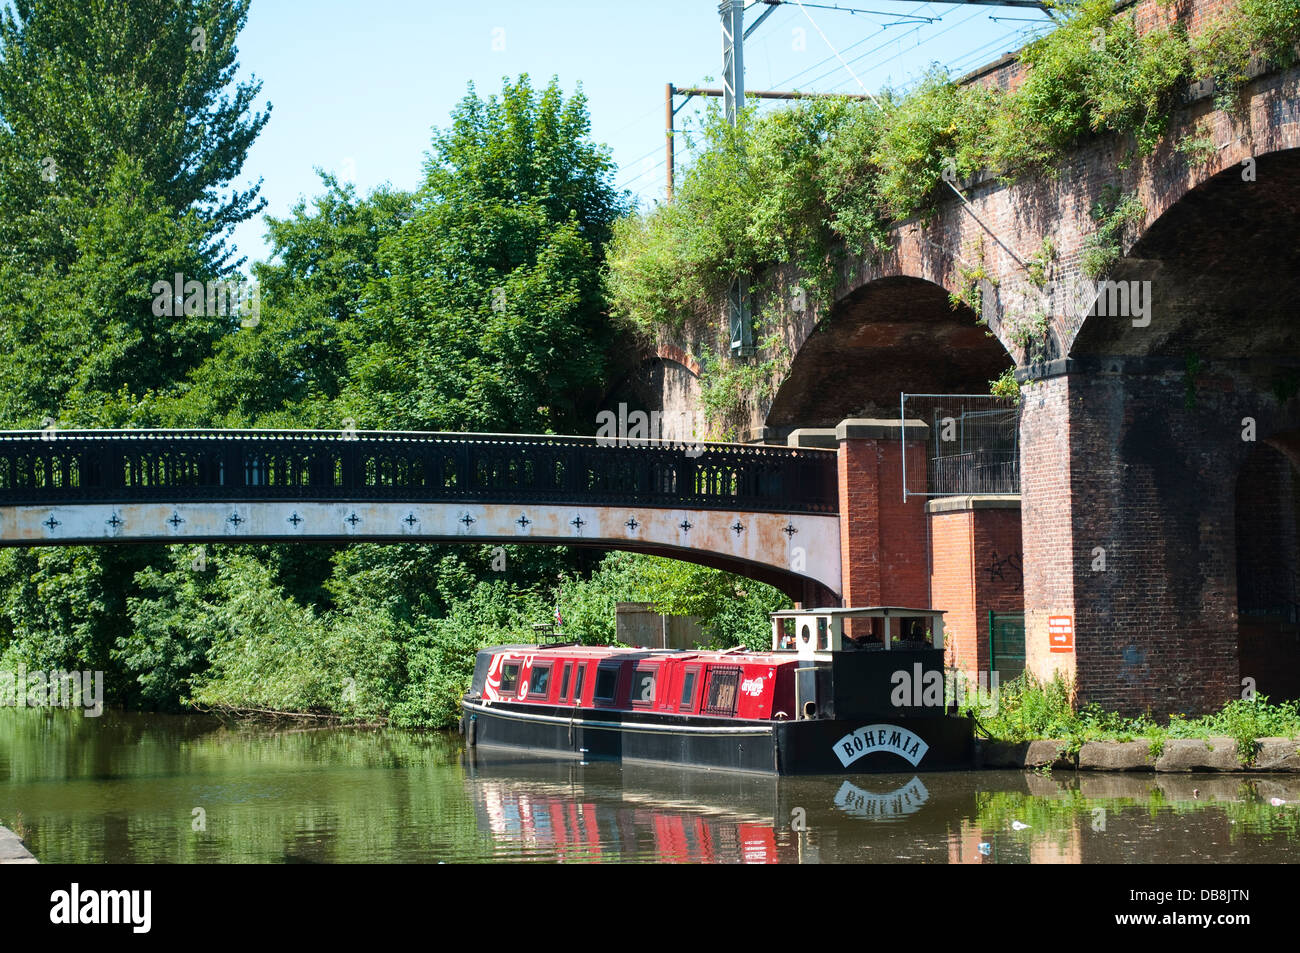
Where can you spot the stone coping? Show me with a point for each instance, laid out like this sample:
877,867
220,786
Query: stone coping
981,501
878,428
813,437
1177,755
12,850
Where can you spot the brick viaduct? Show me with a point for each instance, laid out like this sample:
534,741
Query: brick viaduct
1158,493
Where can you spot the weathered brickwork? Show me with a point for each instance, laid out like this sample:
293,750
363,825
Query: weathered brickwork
1047,533
1147,566
952,588
882,537
1268,572
1148,523
975,568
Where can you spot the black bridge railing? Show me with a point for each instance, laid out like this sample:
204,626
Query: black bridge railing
173,466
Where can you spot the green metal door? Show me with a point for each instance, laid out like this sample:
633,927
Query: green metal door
1006,644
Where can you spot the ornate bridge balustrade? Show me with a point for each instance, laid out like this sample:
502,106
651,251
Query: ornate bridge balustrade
175,466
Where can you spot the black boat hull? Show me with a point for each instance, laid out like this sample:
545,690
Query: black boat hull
864,745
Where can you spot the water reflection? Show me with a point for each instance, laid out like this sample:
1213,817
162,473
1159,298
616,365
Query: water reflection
124,788
570,812
908,799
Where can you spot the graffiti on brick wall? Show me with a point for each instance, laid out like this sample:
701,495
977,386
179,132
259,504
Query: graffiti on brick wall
1004,568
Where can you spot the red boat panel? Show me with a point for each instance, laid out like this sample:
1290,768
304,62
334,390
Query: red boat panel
758,685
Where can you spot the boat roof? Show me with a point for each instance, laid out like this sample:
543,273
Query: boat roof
631,653
867,611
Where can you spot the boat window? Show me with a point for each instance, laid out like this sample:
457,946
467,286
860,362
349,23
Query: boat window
577,684
541,685
688,689
564,681
643,686
509,677
723,686
606,682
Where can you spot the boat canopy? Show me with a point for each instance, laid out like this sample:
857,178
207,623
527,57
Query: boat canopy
814,632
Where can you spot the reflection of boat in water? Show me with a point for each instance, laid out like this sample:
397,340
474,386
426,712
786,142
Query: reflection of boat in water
559,809
908,799
566,811
843,691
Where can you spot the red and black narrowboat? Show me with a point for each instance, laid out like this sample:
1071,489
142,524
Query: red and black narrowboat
842,691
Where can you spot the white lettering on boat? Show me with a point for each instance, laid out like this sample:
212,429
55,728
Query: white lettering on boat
874,738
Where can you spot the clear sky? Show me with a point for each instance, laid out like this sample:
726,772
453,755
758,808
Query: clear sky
357,88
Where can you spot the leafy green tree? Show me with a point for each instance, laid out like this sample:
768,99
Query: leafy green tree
732,610
491,315
121,129
84,85
65,608
289,368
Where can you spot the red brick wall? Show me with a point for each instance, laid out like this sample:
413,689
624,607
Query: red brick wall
882,538
1046,519
952,588
859,522
1268,563
999,573
975,568
1114,458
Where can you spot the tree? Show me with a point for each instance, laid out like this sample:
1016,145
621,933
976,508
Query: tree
490,315
289,369
120,132
85,84
118,137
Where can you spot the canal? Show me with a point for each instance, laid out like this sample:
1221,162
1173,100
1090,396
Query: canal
128,788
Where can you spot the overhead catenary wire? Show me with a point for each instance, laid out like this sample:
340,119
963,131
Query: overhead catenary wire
929,39
837,55
642,174
881,28
956,191
952,65
850,10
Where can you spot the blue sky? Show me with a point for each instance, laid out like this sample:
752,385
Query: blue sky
357,88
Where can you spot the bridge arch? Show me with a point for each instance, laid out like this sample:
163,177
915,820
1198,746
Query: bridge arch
890,335
666,381
1223,268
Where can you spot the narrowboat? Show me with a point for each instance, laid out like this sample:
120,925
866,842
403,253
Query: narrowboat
842,691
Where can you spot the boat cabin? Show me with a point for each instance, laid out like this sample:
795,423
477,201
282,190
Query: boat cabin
654,681
866,661
856,656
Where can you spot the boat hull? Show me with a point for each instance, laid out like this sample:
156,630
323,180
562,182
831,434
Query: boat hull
861,745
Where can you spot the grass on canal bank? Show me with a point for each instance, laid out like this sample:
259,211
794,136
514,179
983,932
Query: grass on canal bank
1030,710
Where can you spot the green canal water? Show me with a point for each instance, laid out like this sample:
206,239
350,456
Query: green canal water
150,788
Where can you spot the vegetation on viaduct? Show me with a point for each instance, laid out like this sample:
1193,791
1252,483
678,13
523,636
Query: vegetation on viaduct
810,185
